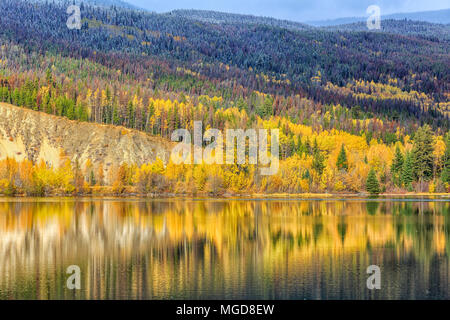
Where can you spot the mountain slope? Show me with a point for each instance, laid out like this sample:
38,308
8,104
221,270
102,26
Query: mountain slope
179,56
296,55
426,30
100,3
437,16
230,18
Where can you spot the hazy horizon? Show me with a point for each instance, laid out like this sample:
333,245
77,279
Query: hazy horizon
296,10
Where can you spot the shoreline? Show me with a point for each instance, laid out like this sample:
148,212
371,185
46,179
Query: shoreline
204,196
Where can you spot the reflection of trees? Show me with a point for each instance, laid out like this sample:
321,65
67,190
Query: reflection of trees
163,248
372,207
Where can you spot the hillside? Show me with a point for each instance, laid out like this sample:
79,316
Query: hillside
426,30
231,18
27,134
175,54
100,3
436,16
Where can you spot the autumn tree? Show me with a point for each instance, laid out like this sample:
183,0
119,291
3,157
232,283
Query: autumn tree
8,176
121,179
79,180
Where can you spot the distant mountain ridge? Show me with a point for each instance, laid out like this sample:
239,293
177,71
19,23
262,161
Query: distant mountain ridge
100,3
421,29
348,24
222,17
437,16
399,25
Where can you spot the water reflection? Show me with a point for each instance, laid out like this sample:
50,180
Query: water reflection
224,249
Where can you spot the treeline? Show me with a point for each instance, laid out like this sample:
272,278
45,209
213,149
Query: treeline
159,112
421,166
163,116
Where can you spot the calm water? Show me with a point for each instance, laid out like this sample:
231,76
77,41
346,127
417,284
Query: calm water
225,249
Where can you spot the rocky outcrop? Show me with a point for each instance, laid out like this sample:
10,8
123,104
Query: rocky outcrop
27,134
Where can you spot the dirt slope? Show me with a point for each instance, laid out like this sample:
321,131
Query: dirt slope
27,134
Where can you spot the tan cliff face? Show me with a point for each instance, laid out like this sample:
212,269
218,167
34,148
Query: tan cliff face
27,134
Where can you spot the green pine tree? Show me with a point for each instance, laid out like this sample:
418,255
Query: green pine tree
342,163
318,159
423,154
397,165
115,116
268,106
308,148
445,175
372,184
49,76
408,171
299,147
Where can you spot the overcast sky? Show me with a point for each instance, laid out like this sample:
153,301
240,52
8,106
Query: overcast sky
297,10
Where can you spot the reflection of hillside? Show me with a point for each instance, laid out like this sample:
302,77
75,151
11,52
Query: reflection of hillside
171,243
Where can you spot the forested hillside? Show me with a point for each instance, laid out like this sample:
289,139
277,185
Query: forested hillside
436,16
229,18
100,3
346,101
419,29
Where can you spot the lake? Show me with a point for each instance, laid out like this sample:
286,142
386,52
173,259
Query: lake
225,248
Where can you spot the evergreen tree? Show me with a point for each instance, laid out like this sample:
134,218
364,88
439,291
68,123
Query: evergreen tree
130,114
397,165
300,147
268,106
372,184
423,154
407,171
308,148
315,148
92,181
445,175
342,163
318,159
49,76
